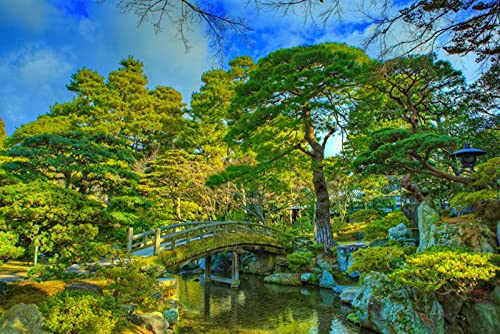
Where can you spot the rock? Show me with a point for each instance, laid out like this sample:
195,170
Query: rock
4,290
310,278
324,265
406,236
260,263
284,279
344,255
358,235
387,308
171,316
427,218
153,322
452,305
481,318
498,233
326,280
378,242
348,294
85,287
22,319
472,236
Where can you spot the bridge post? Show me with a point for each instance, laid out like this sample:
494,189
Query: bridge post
130,239
235,271
157,241
208,268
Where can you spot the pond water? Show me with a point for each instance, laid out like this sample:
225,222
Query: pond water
258,308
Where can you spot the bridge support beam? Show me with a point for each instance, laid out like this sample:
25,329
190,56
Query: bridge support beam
157,241
130,239
208,268
235,270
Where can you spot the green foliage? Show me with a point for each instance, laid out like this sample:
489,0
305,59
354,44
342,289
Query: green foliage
299,260
378,228
353,317
383,259
76,312
446,271
365,215
8,248
131,284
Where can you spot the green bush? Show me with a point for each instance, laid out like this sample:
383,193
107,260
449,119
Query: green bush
446,271
366,216
8,249
378,228
131,283
299,260
382,259
77,312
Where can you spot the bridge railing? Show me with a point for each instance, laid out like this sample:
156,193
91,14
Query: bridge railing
171,236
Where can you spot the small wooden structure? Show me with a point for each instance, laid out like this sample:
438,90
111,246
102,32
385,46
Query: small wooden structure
172,236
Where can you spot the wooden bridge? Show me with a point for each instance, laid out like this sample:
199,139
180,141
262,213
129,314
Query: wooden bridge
168,238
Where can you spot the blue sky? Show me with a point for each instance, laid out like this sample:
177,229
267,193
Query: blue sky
43,42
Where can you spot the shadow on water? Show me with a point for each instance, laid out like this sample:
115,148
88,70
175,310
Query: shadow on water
258,308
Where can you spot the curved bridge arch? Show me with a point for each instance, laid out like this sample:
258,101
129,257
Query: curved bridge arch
186,242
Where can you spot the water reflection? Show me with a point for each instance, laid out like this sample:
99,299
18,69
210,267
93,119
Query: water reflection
259,308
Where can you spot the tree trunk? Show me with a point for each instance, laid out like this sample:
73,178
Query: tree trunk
324,234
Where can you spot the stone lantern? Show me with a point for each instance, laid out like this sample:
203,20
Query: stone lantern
467,157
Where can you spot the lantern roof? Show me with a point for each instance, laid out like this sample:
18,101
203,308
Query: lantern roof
468,150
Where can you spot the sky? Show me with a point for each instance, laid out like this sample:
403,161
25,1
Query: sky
43,42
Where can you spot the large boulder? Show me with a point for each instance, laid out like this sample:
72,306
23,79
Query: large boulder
326,280
344,256
482,317
427,218
22,319
85,287
406,236
473,236
154,322
390,309
284,279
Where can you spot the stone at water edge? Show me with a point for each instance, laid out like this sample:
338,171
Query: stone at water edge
152,321
386,308
344,255
22,319
284,279
326,280
348,294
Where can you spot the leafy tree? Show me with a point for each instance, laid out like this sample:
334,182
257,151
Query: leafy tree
89,163
421,94
126,109
64,223
295,100
176,184
209,111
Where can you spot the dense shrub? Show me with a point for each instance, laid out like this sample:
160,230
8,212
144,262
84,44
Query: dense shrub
383,259
8,249
132,283
366,216
77,312
378,228
299,260
446,271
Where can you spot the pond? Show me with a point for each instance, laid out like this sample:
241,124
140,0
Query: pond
258,308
